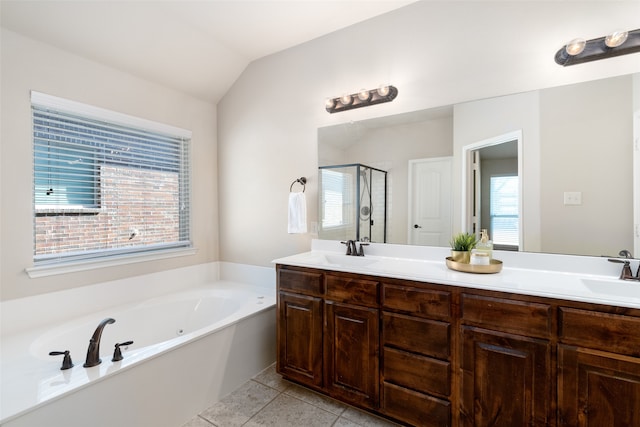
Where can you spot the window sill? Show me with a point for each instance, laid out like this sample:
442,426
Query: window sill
61,210
111,261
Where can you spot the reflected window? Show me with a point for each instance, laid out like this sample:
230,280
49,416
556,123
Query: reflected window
504,210
336,198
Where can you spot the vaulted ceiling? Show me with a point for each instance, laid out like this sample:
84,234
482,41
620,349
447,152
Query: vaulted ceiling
197,47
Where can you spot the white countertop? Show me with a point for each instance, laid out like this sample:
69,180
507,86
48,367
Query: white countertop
576,278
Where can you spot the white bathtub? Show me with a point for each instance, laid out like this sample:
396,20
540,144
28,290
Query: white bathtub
191,347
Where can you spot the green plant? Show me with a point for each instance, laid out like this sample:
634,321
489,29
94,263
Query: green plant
463,242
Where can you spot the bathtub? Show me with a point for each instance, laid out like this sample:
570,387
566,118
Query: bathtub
192,344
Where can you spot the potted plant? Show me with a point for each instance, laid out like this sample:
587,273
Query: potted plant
461,245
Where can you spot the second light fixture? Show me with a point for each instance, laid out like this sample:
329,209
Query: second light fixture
362,98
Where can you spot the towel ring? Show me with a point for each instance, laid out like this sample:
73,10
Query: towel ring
301,180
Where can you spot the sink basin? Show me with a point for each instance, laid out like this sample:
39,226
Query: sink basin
618,288
348,261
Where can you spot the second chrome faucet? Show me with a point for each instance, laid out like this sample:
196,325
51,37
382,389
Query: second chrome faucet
627,273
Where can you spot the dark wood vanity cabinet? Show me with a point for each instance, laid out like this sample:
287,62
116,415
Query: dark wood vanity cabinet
352,340
299,327
598,368
505,364
435,355
416,360
328,334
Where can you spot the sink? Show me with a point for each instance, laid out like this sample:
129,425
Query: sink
348,261
618,288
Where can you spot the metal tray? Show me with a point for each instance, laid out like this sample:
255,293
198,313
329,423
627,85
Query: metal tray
494,267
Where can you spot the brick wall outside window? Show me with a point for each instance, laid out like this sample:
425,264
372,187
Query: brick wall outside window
130,199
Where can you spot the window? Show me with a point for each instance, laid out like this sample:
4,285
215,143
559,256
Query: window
105,183
504,210
335,198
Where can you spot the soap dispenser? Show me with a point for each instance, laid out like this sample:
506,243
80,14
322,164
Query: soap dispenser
485,245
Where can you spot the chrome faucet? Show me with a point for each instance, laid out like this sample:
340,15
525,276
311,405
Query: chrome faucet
93,352
626,273
352,248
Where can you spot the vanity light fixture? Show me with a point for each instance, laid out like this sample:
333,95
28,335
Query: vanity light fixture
617,43
362,98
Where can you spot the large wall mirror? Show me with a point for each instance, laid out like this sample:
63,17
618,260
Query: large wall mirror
566,180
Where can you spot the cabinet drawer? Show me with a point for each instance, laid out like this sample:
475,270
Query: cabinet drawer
520,317
427,337
421,302
352,290
611,332
417,372
415,408
304,282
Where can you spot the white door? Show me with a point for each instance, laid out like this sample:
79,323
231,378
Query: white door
476,194
430,201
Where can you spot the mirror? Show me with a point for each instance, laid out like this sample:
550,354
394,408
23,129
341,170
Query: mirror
576,160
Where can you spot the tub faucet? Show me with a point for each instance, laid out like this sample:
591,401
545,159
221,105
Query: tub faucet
93,352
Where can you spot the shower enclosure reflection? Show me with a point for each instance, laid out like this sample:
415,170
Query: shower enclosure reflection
353,201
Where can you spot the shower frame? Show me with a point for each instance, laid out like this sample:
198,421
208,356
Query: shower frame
359,167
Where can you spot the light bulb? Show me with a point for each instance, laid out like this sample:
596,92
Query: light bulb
616,38
575,47
346,99
329,103
363,95
383,90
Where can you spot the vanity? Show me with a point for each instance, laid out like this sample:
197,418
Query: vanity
398,334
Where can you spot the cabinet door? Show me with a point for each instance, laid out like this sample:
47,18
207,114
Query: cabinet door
597,388
506,380
299,337
352,350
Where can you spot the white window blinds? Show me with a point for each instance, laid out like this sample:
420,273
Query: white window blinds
335,198
504,210
106,183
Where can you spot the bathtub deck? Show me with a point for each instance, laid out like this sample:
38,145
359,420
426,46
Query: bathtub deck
30,381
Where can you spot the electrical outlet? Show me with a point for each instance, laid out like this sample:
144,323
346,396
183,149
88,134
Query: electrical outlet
573,198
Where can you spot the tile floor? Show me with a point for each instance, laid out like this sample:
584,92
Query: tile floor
268,400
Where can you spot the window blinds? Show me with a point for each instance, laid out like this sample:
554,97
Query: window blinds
106,183
336,196
504,203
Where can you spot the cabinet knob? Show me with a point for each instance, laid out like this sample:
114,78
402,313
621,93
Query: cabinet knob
417,226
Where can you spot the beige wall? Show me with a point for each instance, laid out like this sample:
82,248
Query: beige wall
268,120
29,65
587,135
267,123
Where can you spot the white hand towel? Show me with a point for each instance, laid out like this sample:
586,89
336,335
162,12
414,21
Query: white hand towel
297,213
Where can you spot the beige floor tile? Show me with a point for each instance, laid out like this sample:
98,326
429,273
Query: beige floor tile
271,378
236,408
285,411
365,419
343,422
197,422
316,399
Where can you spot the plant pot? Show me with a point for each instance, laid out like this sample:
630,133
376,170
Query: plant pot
463,257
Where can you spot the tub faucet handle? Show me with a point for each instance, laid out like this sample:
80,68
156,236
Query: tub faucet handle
66,362
117,353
